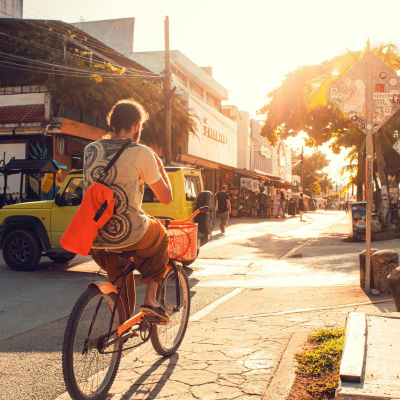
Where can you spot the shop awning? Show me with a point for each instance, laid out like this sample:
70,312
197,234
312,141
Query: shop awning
74,139
270,176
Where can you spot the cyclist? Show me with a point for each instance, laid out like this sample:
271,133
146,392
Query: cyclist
130,228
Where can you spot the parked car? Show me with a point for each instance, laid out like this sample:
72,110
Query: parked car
31,230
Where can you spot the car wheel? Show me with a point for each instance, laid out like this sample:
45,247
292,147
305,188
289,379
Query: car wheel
22,250
61,258
206,220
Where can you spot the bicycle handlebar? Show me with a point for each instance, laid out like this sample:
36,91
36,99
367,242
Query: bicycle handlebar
203,209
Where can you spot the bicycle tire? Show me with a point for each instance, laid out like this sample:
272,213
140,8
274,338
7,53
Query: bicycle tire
94,364
391,215
166,339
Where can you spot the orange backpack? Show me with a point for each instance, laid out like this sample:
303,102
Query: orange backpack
96,209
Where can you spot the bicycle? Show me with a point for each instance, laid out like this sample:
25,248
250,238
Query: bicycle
99,323
393,213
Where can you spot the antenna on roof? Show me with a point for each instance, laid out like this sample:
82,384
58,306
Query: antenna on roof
193,164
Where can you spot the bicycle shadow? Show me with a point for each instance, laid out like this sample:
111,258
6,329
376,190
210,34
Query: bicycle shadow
152,381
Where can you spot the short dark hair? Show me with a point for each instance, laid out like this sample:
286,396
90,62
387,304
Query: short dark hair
125,114
301,194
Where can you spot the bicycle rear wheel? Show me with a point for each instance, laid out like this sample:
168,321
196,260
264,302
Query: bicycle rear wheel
166,339
89,374
392,215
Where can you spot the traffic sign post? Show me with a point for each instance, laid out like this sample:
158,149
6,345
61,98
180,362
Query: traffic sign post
368,94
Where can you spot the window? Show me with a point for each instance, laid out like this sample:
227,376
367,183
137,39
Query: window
148,195
192,187
73,192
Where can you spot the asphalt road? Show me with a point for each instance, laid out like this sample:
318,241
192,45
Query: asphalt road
34,306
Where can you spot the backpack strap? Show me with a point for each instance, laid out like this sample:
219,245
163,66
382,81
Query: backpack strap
114,159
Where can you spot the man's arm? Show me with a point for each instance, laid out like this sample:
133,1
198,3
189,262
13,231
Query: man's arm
228,204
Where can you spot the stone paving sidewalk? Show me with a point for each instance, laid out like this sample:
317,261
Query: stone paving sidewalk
228,358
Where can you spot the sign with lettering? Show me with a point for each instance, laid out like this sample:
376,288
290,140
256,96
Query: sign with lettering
216,135
348,94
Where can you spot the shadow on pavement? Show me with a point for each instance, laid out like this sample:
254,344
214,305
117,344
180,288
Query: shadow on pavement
167,365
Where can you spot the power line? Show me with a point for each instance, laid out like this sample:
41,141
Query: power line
68,68
97,45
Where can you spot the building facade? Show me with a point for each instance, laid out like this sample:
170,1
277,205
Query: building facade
11,8
215,144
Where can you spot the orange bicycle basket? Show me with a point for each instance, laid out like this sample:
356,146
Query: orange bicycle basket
183,241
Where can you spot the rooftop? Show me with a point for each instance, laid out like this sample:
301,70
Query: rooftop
22,114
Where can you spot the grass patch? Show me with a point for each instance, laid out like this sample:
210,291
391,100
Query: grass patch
319,364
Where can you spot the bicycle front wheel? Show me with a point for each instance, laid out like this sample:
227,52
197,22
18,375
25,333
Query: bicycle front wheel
89,374
166,339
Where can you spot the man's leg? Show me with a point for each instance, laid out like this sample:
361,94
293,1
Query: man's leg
221,222
110,264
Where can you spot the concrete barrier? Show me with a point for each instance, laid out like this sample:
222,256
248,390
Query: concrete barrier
382,263
394,283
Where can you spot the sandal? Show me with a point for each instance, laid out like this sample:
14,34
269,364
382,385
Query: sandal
158,312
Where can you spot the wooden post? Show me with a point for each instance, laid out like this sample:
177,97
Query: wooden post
369,175
302,168
167,95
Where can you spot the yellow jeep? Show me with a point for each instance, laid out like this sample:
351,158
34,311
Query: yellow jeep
31,230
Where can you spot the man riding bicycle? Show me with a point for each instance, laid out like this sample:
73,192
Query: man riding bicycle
130,228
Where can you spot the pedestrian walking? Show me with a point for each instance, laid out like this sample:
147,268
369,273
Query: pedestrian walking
301,206
282,205
223,207
263,200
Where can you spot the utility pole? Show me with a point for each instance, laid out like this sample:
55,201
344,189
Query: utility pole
302,168
368,175
168,93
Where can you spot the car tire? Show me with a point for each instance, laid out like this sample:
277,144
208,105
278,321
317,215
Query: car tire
61,258
22,250
206,220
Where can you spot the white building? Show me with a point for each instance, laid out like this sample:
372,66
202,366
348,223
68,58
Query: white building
11,8
115,33
216,143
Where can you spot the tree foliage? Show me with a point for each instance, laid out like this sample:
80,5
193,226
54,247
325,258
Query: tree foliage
314,180
287,115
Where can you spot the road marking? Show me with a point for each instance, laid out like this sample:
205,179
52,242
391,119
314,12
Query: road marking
40,294
309,241
206,310
308,309
291,252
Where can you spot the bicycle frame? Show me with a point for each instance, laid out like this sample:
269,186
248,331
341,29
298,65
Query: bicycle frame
107,287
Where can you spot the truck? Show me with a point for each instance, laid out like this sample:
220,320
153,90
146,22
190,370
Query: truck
32,230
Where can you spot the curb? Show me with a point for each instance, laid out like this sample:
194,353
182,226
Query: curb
282,382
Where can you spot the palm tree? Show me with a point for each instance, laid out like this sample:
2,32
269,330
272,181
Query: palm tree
314,93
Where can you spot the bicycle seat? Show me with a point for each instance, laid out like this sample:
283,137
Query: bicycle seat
122,254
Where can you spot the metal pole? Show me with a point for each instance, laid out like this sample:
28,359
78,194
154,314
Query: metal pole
302,168
167,94
369,175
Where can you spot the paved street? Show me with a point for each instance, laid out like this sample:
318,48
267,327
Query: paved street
256,292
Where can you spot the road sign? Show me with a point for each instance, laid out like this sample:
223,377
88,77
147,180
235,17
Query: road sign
349,93
396,146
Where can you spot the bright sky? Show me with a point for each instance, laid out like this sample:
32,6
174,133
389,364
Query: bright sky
250,45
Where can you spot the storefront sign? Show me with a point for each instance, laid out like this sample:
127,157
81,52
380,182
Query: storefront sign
216,135
265,151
